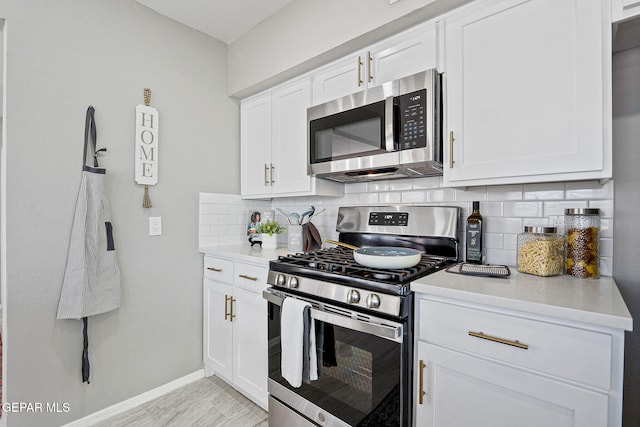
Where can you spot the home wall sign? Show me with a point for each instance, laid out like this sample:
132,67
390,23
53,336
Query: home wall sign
146,146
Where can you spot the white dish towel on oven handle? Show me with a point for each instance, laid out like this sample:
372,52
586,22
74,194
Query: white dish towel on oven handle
295,315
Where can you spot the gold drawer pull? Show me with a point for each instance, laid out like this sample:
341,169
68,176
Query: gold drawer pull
244,276
422,392
515,343
217,270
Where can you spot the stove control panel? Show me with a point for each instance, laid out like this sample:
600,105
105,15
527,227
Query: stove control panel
400,219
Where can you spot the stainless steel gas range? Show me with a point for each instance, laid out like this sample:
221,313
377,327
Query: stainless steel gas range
363,318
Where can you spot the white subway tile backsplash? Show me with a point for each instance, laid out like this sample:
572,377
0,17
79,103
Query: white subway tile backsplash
523,209
606,247
605,206
358,187
552,191
390,198
606,227
494,240
502,257
427,183
440,195
589,190
503,225
367,198
490,208
606,266
413,197
505,208
400,185
558,207
377,186
470,194
504,192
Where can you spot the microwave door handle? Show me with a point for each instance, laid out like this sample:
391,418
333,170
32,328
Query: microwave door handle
389,143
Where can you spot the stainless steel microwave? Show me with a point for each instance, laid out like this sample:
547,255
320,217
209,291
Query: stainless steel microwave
385,132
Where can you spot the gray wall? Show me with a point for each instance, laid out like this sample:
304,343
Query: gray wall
626,169
62,56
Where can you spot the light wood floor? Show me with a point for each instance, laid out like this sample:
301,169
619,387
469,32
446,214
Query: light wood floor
206,402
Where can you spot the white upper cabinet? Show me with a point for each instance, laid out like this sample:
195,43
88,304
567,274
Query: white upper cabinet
255,145
273,144
404,54
528,95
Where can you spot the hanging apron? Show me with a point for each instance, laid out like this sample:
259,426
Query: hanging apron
91,282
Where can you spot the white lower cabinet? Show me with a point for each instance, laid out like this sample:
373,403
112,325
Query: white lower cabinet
235,327
465,390
480,365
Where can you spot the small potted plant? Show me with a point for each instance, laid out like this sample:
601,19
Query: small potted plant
269,229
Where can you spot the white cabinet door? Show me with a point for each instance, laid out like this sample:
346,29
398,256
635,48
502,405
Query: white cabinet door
289,105
461,390
340,78
403,55
526,92
217,345
255,146
250,344
625,9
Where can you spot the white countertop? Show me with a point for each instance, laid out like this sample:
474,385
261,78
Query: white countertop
584,300
245,253
594,301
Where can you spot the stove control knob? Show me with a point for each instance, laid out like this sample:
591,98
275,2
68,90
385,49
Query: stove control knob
373,301
353,297
293,282
281,280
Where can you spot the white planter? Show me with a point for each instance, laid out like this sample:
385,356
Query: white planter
269,242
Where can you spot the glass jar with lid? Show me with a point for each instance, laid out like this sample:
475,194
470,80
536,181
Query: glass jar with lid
582,228
541,251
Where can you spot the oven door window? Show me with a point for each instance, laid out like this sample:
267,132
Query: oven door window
348,134
358,373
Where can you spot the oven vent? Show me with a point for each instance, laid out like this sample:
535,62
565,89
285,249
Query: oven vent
336,310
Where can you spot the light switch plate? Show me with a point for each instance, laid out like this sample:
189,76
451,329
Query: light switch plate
155,226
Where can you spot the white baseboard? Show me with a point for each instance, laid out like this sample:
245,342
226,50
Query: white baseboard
125,405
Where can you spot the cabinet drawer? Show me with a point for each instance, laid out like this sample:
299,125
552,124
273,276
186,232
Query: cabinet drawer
575,354
220,270
250,277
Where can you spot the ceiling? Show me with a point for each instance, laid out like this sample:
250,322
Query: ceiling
224,20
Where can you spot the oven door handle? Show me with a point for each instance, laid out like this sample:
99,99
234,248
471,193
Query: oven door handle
393,333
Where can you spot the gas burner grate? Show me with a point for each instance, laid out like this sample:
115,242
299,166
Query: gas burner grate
339,262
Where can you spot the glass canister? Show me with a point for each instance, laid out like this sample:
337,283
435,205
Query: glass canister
582,227
541,251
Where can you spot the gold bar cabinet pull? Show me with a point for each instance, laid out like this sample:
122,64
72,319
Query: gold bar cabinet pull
217,270
360,64
421,392
272,168
231,315
514,343
451,139
226,310
370,66
244,276
266,170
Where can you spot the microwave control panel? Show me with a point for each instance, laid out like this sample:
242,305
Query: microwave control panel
412,116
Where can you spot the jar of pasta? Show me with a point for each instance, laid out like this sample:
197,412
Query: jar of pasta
541,251
583,242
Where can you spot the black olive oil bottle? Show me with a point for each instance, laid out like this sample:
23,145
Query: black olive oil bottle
474,236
